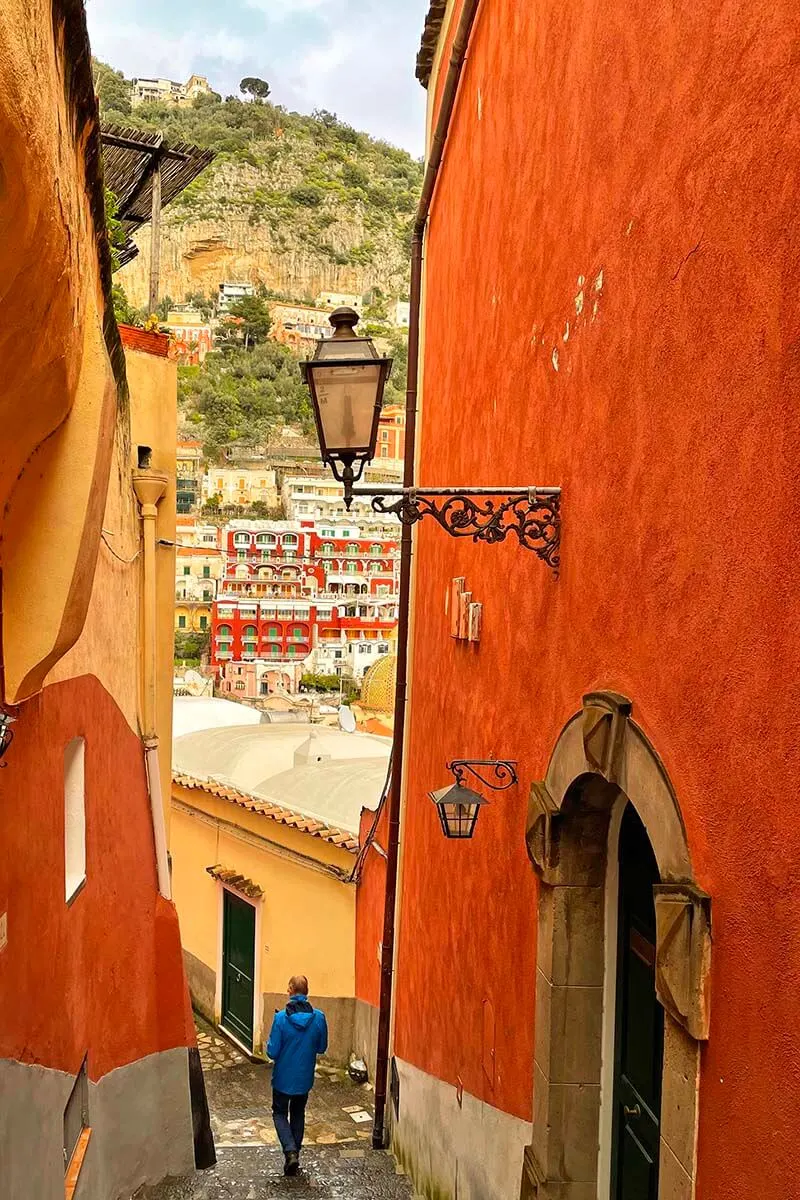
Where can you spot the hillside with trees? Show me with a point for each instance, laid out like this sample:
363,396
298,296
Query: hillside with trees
294,204
299,204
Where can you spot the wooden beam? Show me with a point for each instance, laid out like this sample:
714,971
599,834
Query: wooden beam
155,239
112,139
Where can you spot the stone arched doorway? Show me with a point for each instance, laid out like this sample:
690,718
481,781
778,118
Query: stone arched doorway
603,762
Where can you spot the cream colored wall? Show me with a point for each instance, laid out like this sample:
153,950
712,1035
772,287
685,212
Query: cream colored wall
307,916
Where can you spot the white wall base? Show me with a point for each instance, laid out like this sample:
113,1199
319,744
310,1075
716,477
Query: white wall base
472,1152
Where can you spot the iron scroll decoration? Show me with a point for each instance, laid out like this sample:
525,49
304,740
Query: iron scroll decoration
533,517
502,773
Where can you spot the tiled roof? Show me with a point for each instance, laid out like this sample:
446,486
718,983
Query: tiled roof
240,882
430,40
266,808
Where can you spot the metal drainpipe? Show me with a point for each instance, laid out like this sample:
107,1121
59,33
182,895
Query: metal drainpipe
150,487
449,94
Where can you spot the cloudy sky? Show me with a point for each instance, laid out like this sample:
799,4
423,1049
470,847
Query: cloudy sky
353,57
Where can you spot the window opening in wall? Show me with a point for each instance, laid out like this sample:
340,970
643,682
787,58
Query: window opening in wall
77,1130
74,816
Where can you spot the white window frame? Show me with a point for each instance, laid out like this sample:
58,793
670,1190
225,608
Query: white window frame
74,817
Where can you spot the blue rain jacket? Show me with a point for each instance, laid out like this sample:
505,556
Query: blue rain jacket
299,1033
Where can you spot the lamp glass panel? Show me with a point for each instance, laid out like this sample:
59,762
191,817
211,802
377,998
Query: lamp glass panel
346,397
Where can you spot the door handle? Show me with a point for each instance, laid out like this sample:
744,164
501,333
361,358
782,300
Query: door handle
636,1111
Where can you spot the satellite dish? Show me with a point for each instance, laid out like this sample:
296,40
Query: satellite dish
347,721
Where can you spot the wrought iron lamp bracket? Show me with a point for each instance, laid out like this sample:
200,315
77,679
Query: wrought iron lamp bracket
502,772
484,514
6,733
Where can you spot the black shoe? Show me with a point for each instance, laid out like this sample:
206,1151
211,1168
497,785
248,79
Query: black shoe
292,1164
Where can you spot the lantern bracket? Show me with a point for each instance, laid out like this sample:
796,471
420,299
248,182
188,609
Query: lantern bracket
532,514
502,773
6,733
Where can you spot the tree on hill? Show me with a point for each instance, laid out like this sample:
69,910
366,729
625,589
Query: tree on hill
244,394
112,88
259,89
247,320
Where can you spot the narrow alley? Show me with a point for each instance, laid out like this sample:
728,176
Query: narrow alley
338,1159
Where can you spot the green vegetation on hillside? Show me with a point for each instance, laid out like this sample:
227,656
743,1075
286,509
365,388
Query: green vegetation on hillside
300,175
244,394
306,177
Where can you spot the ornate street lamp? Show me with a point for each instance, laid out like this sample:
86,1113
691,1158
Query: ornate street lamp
458,805
346,378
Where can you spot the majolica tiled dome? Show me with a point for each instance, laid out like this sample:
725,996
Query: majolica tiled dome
377,690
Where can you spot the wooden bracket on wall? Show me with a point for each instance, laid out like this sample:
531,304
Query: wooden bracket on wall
466,616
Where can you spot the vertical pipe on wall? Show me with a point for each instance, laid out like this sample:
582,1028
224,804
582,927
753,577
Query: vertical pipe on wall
449,93
150,487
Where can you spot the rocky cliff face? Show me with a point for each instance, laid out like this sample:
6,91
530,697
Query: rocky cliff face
196,256
293,212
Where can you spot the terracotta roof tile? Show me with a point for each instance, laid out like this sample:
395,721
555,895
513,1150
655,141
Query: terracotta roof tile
430,40
265,808
234,879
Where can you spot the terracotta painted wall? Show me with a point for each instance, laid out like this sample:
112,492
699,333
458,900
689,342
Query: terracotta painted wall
104,974
612,306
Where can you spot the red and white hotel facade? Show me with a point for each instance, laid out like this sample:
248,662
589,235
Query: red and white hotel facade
300,597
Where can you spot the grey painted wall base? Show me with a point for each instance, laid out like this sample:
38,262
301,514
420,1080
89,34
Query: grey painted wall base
141,1125
473,1152
365,1035
339,1012
202,985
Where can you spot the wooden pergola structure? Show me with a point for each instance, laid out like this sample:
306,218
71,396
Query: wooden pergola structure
146,174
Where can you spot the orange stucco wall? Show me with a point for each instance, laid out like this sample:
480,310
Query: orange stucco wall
105,973
612,306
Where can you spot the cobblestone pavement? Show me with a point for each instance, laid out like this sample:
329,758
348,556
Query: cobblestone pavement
337,1160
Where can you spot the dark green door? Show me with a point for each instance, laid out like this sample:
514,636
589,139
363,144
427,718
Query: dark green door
639,1022
238,967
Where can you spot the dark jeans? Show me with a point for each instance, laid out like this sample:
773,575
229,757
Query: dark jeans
289,1115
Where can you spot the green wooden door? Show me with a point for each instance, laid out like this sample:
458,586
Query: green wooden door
238,966
639,1022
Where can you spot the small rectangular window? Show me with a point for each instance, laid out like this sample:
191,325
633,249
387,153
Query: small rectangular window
204,622
187,570
206,572
181,622
76,1127
74,816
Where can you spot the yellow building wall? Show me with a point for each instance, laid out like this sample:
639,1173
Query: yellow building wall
153,383
305,920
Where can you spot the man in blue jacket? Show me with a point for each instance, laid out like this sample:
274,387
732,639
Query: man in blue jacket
299,1033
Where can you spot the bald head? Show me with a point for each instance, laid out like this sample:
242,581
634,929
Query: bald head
298,985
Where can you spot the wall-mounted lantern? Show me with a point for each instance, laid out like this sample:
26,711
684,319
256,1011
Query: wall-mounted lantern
458,805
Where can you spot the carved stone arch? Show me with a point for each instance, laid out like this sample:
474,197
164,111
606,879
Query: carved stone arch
601,759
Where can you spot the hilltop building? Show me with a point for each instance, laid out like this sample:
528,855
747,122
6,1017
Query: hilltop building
166,91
